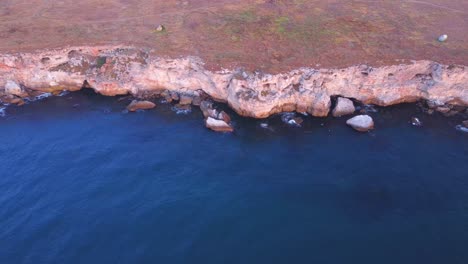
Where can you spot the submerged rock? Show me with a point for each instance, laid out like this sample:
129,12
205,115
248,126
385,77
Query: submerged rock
465,123
218,125
140,105
344,106
362,123
416,122
264,125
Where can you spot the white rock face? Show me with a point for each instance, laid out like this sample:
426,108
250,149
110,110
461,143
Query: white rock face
362,123
13,88
343,107
218,125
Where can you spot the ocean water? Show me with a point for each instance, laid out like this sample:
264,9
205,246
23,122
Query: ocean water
84,182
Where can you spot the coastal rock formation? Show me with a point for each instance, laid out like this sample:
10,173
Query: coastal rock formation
362,123
122,70
140,105
344,106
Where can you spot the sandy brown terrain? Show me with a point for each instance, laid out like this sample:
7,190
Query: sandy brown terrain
271,35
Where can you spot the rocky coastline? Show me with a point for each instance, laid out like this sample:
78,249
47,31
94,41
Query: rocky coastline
121,70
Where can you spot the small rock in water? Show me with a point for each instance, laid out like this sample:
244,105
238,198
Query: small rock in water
461,128
264,125
416,122
361,123
291,119
218,125
140,105
297,121
442,38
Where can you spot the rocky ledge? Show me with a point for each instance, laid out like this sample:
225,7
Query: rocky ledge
119,70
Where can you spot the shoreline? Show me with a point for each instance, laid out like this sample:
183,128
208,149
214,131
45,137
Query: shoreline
123,70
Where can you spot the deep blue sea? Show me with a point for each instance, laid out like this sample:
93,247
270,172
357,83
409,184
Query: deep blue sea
84,182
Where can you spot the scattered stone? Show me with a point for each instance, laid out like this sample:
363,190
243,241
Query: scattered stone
218,125
264,125
343,107
442,38
160,28
140,105
416,122
465,123
362,123
185,100
2,111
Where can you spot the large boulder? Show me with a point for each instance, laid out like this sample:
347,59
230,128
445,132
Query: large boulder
343,107
362,123
218,125
140,105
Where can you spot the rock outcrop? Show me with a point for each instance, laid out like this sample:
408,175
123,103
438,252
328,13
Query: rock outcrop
122,70
136,105
361,123
343,107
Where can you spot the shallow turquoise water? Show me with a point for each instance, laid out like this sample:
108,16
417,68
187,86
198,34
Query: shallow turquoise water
82,182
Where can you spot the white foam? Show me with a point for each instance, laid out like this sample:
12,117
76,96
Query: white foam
180,111
43,96
2,111
462,128
63,93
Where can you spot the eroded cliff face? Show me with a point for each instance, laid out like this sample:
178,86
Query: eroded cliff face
119,70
